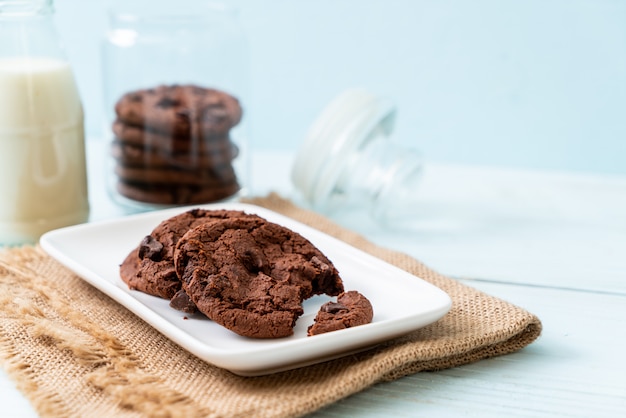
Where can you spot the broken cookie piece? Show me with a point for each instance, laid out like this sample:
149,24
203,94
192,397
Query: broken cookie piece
149,267
182,302
351,309
251,275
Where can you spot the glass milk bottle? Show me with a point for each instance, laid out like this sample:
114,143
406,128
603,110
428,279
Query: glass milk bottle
43,181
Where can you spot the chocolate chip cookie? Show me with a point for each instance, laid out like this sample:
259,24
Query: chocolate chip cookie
252,275
192,143
139,156
180,110
150,266
351,309
175,194
215,176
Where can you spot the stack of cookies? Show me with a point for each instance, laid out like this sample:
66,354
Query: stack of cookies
172,145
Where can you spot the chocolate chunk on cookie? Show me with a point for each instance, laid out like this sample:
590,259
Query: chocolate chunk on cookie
351,309
182,302
180,110
251,275
150,266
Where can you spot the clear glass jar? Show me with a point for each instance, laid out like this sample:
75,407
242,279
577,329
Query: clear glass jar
175,83
43,181
348,160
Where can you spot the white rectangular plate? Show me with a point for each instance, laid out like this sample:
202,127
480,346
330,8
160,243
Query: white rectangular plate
402,302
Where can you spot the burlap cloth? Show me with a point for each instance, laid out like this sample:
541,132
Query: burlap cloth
76,353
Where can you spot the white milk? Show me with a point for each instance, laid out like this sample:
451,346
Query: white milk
43,182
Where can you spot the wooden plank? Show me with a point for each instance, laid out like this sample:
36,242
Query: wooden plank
576,368
541,228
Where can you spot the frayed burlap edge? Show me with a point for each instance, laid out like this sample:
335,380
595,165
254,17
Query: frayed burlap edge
114,375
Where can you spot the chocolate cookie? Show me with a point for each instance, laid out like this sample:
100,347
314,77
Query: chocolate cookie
180,110
191,144
215,176
137,156
175,194
150,267
251,275
351,309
